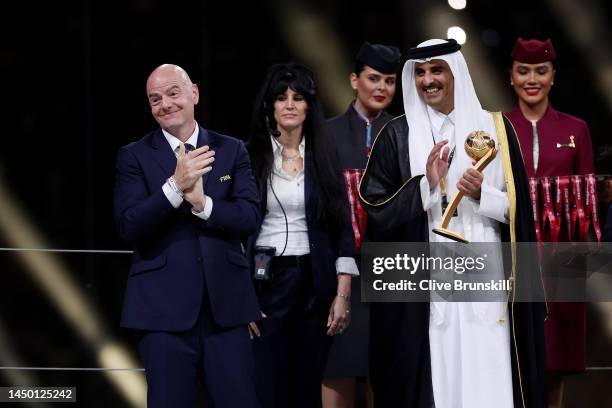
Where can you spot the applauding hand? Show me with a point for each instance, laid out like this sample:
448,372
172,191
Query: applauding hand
437,165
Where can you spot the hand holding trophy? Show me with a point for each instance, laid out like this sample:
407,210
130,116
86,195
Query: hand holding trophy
480,147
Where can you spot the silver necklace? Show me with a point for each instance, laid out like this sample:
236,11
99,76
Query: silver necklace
291,159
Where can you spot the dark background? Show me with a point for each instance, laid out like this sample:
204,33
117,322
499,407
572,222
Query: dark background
74,92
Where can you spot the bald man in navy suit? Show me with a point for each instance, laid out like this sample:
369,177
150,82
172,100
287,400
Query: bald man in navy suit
185,198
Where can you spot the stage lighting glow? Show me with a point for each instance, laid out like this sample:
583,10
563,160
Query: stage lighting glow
457,4
131,383
51,274
457,33
316,41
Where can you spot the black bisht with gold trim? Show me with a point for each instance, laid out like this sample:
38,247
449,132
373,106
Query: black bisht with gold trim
400,367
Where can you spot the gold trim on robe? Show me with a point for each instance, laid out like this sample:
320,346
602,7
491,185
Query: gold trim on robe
366,170
502,137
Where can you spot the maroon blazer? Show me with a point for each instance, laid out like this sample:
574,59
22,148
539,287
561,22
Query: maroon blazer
554,127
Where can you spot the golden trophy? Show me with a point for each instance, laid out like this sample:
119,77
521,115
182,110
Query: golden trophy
480,147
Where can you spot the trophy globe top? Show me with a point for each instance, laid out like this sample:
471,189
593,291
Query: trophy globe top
478,143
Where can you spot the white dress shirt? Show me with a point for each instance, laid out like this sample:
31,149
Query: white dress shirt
175,199
290,192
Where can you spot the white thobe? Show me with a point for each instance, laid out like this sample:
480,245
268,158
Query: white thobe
469,348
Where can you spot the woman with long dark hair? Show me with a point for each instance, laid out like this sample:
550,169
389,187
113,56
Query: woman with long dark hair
303,251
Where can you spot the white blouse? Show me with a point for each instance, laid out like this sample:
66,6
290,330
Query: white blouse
290,192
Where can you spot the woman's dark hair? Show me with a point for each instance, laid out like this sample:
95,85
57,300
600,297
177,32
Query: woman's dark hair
358,67
298,78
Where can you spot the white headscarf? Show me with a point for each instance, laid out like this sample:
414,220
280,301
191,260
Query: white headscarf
469,116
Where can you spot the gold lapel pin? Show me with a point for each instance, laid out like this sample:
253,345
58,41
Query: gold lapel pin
571,144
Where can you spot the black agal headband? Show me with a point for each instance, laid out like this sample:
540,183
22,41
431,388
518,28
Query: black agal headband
421,53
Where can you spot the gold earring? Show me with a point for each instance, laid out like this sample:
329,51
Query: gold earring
511,83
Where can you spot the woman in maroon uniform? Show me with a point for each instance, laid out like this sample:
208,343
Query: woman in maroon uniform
553,144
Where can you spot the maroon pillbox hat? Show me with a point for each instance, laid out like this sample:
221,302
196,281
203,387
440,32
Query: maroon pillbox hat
533,51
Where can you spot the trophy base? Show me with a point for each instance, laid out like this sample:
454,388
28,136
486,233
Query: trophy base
446,233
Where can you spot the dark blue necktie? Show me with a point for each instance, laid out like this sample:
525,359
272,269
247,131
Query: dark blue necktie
188,148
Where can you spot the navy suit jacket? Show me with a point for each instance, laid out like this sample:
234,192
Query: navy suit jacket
177,256
325,245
